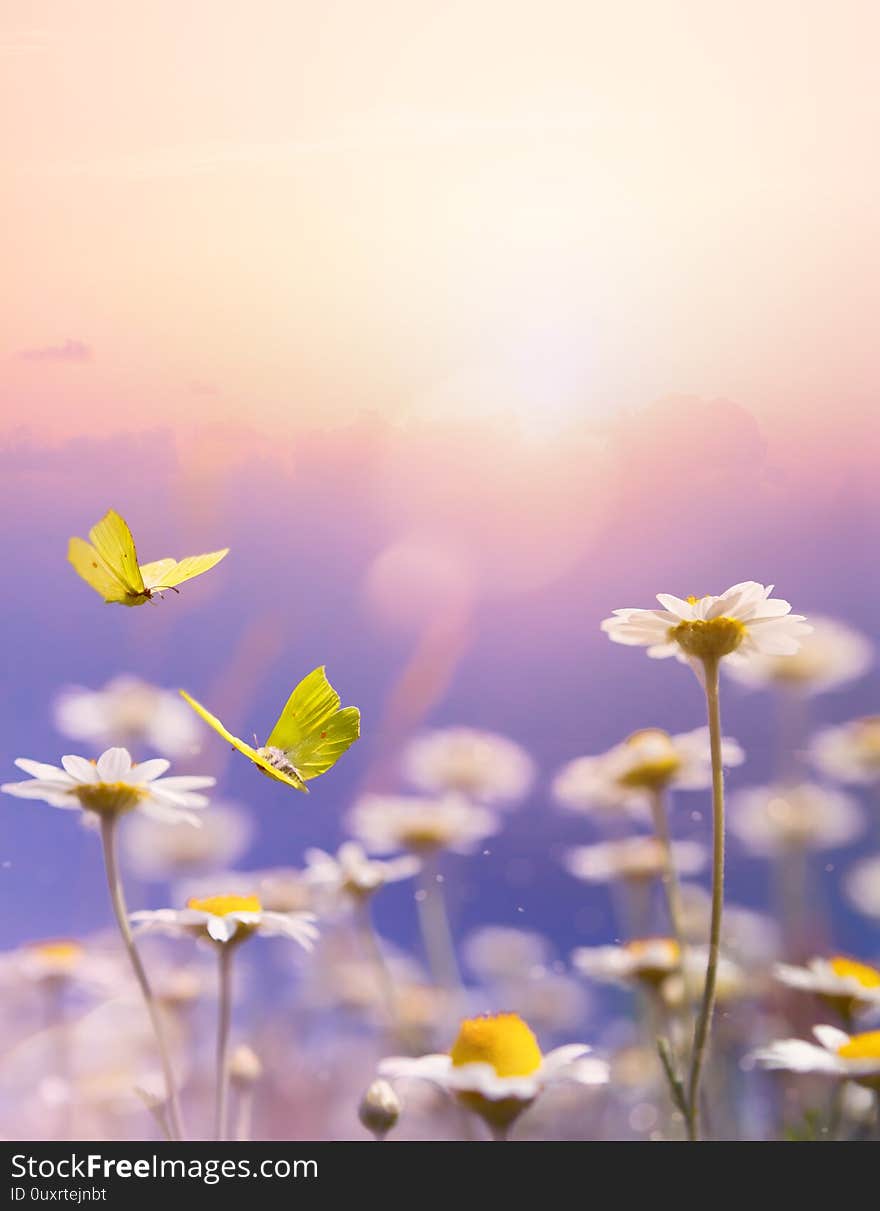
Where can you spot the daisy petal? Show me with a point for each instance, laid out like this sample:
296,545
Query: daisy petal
114,765
80,770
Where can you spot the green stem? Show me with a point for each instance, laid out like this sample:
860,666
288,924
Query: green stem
704,1020
117,899
224,1016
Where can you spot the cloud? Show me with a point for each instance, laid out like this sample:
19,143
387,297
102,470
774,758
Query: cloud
66,351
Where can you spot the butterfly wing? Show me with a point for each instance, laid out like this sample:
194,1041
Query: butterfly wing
91,567
312,730
112,540
249,752
319,752
166,573
215,723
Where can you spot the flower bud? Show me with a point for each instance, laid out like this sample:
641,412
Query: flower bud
379,1109
244,1066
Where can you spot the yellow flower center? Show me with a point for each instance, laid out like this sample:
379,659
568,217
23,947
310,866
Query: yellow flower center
868,977
222,906
663,949
654,959
861,1047
502,1040
422,836
655,761
650,775
708,638
110,798
59,953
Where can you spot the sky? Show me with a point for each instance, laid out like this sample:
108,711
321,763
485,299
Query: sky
461,325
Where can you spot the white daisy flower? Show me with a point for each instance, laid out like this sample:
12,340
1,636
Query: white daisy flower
157,850
772,820
643,960
480,765
495,1067
849,753
647,762
351,875
131,712
832,655
389,823
861,886
112,785
742,622
632,858
228,919
846,984
851,1057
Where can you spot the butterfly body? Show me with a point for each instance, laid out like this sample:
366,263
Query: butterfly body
277,758
108,563
312,733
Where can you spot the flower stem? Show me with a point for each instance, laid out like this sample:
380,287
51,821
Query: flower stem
244,1115
671,886
117,899
436,934
224,1015
384,979
701,1033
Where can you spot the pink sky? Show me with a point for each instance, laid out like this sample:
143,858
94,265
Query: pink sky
462,248
289,209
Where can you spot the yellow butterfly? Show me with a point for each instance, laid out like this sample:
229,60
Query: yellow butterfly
110,564
310,736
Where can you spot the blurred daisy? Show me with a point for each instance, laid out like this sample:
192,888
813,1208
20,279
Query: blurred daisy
650,761
732,981
498,952
389,823
351,875
852,1057
846,984
743,621
550,1000
861,886
228,919
160,850
514,965
280,889
641,961
112,786
850,752
632,859
480,765
832,655
495,1067
58,963
752,938
130,712
772,820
